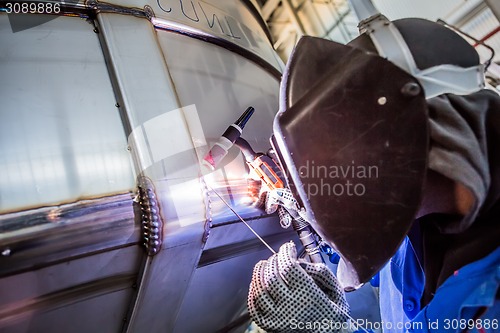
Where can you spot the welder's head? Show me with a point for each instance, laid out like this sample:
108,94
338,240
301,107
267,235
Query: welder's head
353,133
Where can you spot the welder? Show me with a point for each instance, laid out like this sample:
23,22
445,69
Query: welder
408,98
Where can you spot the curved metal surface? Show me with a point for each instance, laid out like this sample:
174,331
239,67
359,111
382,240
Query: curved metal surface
174,118
232,22
199,34
174,94
238,30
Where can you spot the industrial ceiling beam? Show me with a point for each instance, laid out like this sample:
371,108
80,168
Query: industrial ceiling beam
294,17
269,7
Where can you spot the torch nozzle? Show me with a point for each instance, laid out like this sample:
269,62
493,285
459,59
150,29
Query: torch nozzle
226,141
242,120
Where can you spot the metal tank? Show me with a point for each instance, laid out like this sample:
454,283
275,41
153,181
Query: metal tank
107,222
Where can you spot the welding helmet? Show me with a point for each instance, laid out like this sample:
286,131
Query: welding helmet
352,132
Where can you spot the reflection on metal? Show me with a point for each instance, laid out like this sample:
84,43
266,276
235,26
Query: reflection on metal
36,238
236,193
151,221
241,193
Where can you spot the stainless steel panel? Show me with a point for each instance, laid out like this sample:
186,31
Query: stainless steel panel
61,137
223,288
138,67
224,272
66,232
36,283
152,107
104,313
165,283
219,86
150,104
233,21
179,94
66,184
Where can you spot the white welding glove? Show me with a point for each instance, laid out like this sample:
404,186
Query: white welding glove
291,295
281,200
280,197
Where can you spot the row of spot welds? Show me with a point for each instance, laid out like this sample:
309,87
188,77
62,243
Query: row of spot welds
150,217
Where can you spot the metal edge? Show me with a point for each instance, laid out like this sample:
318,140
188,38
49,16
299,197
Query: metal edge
186,30
138,294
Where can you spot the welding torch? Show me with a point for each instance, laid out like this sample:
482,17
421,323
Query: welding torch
226,141
269,172
272,176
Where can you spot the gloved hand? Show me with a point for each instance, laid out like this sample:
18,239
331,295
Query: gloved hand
287,295
280,197
281,200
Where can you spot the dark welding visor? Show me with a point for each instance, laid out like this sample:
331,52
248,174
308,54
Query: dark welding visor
352,135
